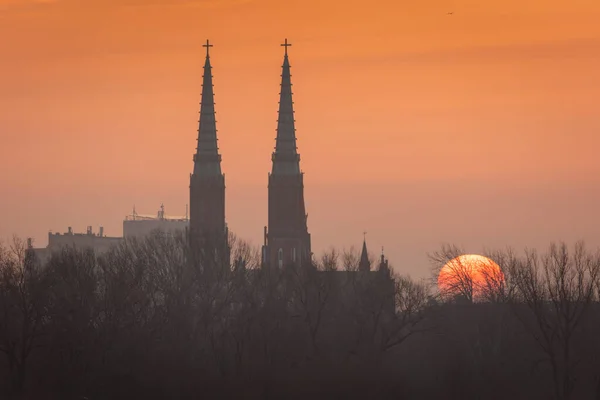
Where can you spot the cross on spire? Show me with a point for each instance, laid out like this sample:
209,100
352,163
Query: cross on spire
286,45
365,235
207,45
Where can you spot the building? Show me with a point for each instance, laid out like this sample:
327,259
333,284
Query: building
376,285
287,242
286,239
134,226
208,228
138,226
57,241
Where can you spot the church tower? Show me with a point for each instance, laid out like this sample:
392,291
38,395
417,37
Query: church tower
287,241
207,182
364,264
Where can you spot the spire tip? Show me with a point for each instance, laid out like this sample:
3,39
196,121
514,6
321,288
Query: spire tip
208,46
286,45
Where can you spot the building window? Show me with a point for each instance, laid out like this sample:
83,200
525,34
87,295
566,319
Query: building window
280,258
294,254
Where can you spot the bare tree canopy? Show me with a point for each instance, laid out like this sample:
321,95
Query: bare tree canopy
156,318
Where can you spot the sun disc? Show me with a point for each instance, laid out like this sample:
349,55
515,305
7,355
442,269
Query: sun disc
470,275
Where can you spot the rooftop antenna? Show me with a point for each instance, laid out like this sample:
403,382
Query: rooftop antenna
134,214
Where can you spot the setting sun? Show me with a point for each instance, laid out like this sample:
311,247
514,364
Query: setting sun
470,275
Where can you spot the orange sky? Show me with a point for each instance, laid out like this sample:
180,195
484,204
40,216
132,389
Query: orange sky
480,128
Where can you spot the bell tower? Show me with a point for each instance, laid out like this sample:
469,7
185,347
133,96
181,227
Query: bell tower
287,241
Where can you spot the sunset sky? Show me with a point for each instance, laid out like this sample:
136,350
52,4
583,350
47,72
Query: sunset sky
480,128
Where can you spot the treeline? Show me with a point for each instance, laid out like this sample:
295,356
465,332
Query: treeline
154,319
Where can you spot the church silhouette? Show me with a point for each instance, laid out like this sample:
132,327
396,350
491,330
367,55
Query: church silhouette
287,242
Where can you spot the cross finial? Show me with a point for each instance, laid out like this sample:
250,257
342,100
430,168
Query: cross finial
286,45
207,45
365,235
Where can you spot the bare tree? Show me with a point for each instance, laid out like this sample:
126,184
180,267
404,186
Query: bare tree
410,302
22,309
555,295
329,260
311,291
456,276
74,315
350,259
498,286
387,310
243,254
471,277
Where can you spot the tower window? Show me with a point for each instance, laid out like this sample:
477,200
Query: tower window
280,258
294,254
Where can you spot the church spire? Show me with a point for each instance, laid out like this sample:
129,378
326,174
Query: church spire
207,182
207,160
288,240
364,264
286,160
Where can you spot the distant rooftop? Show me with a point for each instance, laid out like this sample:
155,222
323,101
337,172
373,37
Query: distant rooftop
89,232
160,216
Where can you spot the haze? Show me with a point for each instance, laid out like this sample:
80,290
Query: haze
478,128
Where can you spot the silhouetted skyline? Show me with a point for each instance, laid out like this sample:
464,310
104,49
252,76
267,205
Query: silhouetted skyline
462,136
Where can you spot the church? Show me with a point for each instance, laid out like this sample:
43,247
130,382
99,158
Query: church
287,241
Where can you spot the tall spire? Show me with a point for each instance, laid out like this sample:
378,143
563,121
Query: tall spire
286,160
207,183
207,160
288,240
364,264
